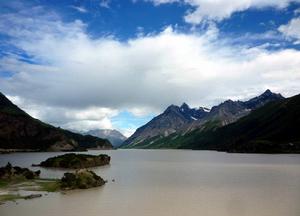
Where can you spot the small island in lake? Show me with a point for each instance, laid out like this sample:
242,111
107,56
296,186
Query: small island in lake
14,179
81,179
76,161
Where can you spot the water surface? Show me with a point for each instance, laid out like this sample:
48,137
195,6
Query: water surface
173,182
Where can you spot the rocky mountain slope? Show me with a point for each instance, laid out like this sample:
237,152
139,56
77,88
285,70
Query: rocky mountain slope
20,131
115,137
176,120
273,128
170,121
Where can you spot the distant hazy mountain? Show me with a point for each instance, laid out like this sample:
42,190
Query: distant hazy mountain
18,130
176,120
114,136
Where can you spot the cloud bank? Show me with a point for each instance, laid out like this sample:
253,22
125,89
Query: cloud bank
63,76
204,10
292,30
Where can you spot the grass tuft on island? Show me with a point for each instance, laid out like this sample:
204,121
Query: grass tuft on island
76,161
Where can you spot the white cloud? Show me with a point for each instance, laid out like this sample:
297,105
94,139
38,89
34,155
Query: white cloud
128,132
142,111
75,119
297,11
222,9
82,82
292,29
158,2
105,3
79,9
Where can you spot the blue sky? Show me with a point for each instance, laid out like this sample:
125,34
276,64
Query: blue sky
116,64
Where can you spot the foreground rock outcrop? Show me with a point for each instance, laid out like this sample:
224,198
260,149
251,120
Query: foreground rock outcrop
81,179
76,161
11,173
16,179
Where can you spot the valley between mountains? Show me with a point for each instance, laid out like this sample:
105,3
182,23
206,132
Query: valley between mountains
268,123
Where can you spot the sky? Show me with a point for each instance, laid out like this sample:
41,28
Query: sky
115,64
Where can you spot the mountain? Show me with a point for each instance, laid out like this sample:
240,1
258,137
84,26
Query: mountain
273,128
170,121
175,121
20,131
259,101
115,137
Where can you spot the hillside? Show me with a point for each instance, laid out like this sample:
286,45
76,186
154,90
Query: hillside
270,129
273,128
163,130
18,130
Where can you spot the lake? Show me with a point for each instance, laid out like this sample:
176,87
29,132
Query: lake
171,183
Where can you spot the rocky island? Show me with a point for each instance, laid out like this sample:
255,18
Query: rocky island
16,173
81,179
76,161
14,179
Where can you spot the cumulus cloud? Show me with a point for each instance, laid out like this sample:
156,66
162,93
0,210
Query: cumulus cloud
71,118
291,30
75,81
218,10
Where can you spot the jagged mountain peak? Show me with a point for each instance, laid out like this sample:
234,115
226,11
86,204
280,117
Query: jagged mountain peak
172,107
184,106
265,97
179,119
269,93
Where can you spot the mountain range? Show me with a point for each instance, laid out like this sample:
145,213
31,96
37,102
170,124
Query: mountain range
272,128
268,123
114,136
175,122
20,131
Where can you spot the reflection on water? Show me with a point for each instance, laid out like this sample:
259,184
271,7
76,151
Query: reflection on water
170,183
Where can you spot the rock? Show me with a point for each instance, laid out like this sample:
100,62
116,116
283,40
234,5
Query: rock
76,161
81,179
32,196
9,173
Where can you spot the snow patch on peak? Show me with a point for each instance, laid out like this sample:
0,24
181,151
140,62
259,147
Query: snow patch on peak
194,118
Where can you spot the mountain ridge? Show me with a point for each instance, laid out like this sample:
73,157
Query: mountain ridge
20,131
182,119
273,128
